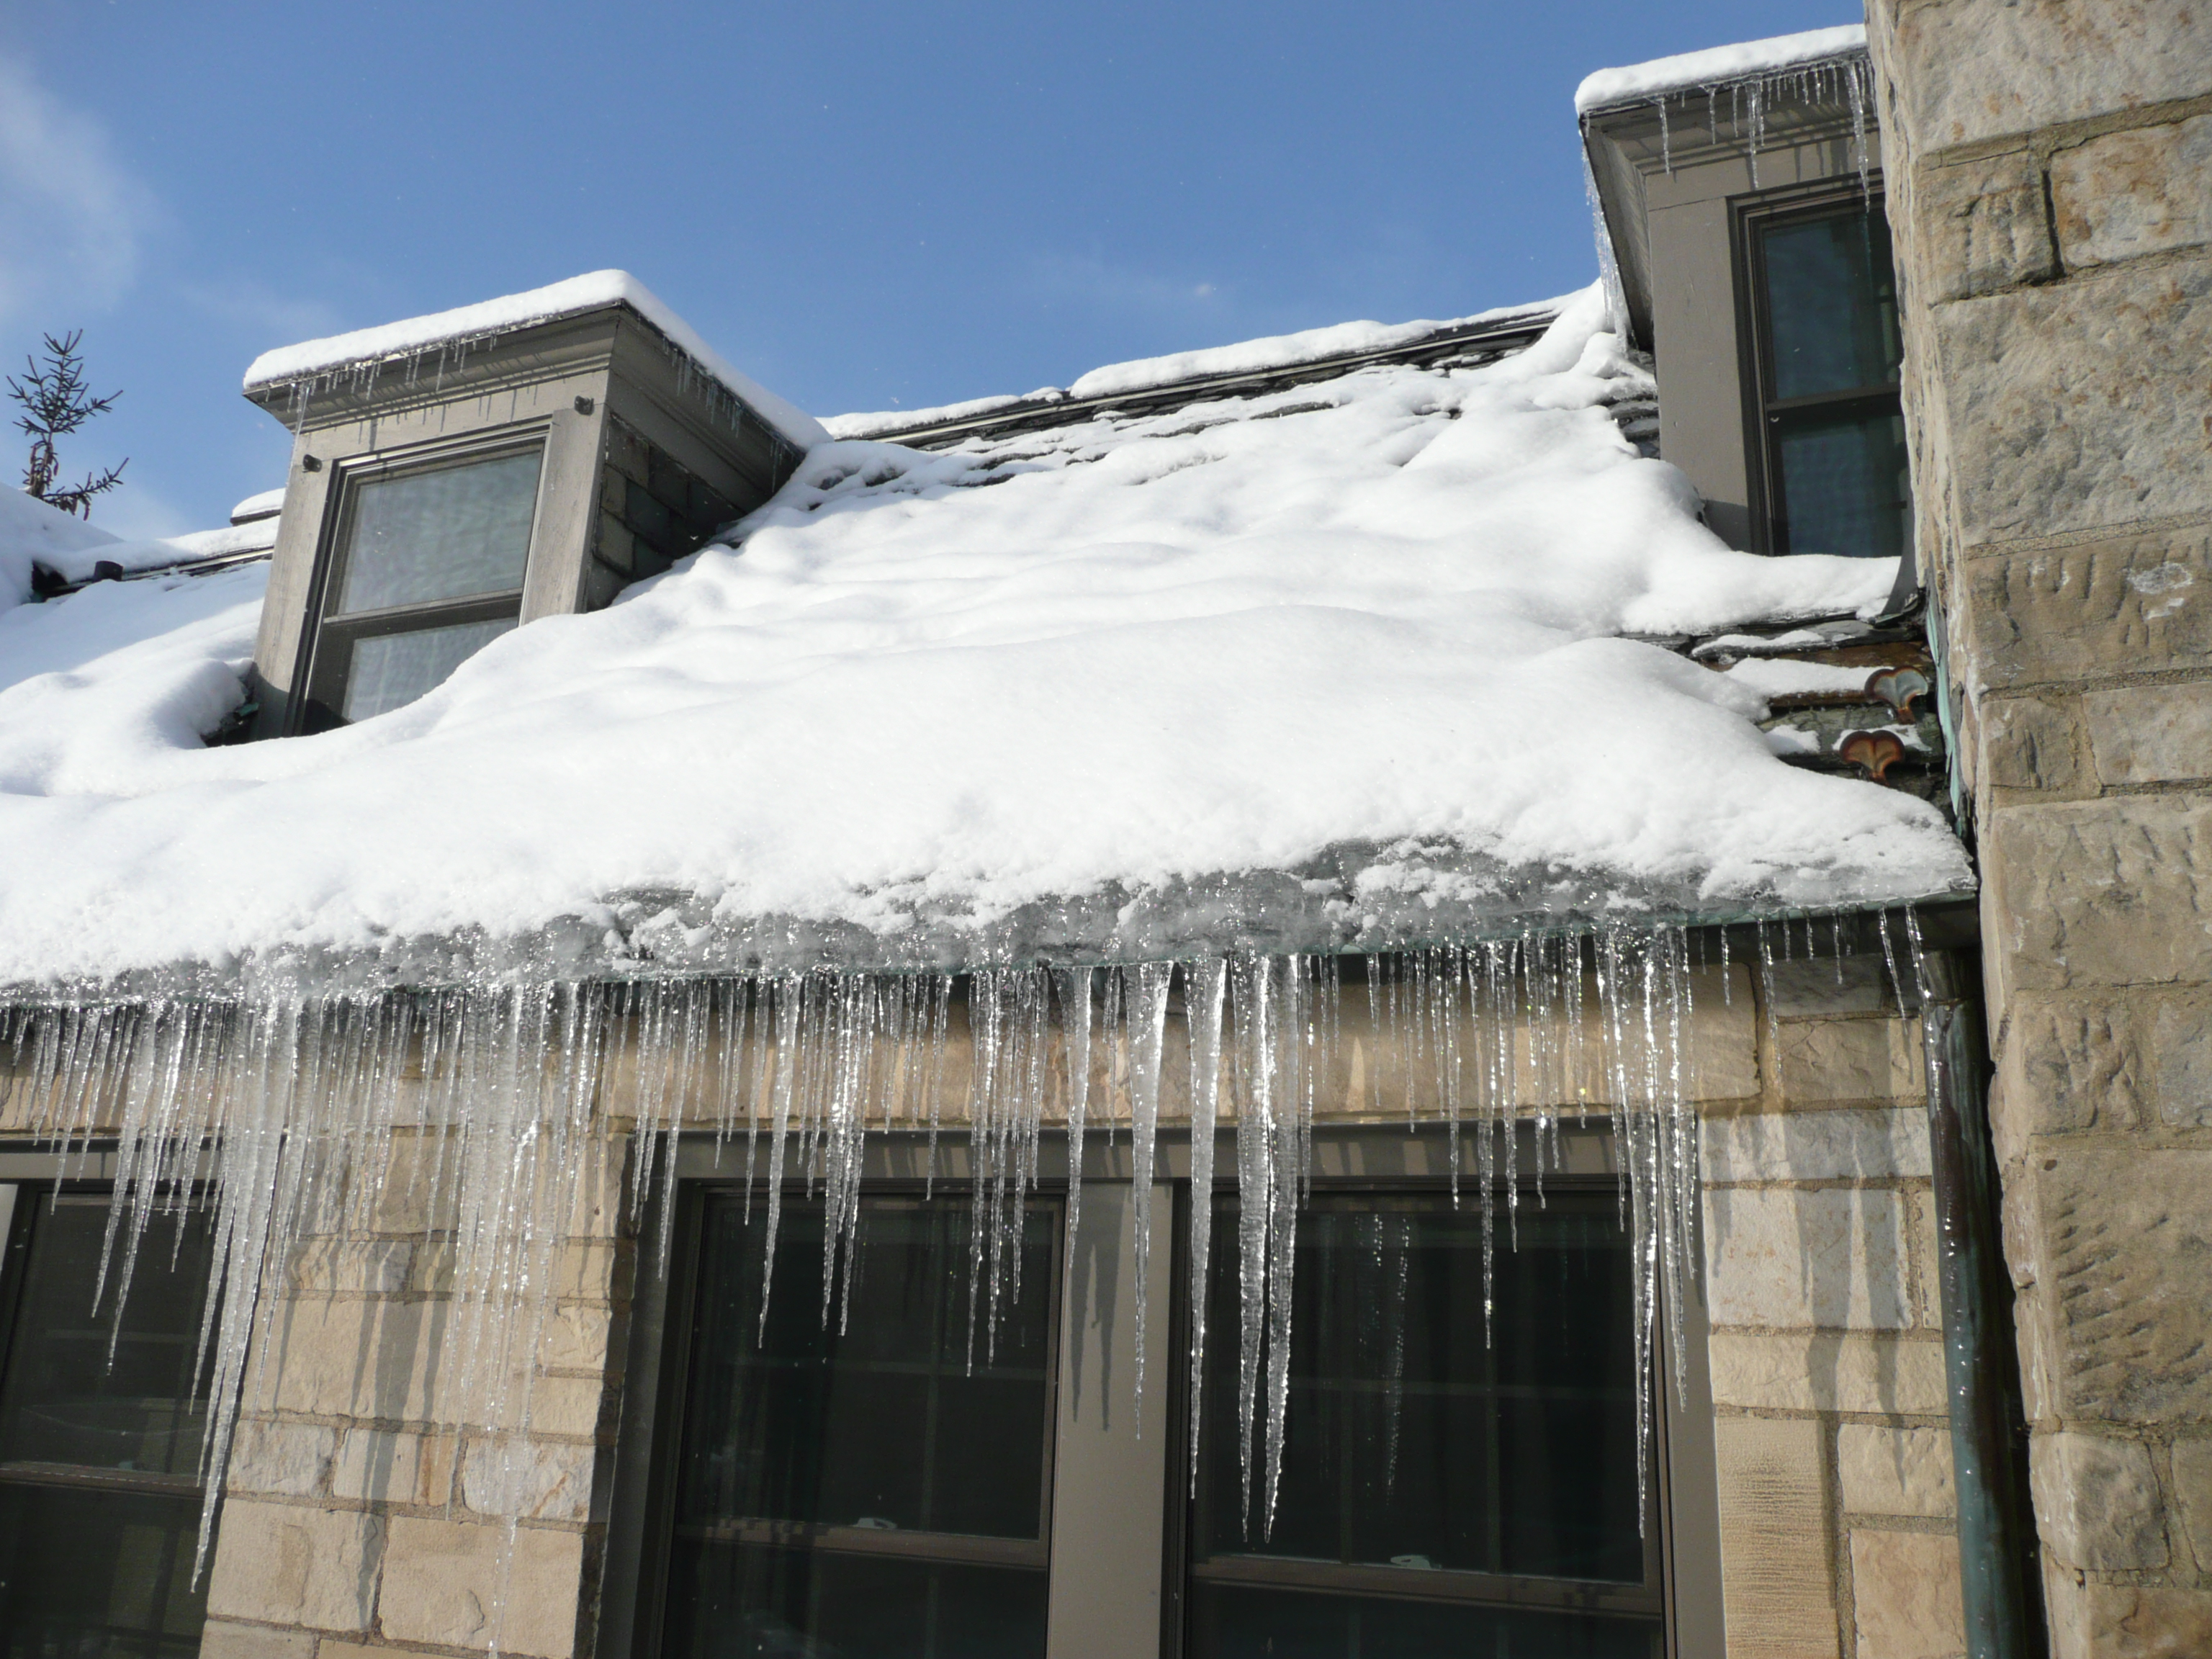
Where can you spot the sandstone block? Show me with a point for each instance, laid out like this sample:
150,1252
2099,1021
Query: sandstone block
442,1585
1985,225
1886,1471
1777,1587
1967,72
1839,1059
2192,1493
532,1479
1840,1143
364,1267
1829,1257
2181,1040
2127,1252
1906,1595
1854,1371
221,1640
2151,733
2126,1621
346,1356
2096,1501
2068,1065
291,1458
287,1565
2031,743
1848,985
2102,893
569,1405
375,1464
2094,610
575,1339
2064,412
2130,194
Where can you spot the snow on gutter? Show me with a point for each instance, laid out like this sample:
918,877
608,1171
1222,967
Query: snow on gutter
1691,71
367,348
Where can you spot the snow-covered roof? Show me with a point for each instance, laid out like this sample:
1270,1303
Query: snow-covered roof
595,291
1334,666
1716,66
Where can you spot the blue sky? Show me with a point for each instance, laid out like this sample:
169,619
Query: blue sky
863,205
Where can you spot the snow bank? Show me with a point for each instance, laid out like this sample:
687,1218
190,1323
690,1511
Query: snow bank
593,292
1714,66
1255,670
31,532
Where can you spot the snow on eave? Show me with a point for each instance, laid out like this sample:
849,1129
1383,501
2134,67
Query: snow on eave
594,291
1149,374
1717,66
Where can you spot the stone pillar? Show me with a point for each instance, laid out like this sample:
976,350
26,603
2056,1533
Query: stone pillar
2048,165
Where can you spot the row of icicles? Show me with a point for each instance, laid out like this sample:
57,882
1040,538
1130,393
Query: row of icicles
510,1100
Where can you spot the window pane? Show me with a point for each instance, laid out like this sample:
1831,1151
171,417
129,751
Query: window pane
1844,483
1412,1440
450,534
97,1575
62,1401
391,670
730,1600
878,1421
1232,1622
1831,304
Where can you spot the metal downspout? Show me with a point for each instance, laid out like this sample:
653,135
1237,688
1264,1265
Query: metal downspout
1996,1532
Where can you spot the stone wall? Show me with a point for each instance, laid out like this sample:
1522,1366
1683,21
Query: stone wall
1833,1446
2050,173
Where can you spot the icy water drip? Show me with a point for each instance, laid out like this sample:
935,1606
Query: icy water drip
500,1120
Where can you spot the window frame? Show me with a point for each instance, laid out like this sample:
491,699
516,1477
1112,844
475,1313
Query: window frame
1750,216
325,667
1680,1537
670,1314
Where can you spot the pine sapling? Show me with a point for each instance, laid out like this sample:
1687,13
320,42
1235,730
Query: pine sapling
56,403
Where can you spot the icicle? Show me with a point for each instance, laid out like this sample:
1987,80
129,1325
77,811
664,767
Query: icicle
1148,1017
1203,991
1073,986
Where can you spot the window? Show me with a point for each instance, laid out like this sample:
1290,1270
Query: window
1445,1488
425,570
1830,452
871,1486
99,1493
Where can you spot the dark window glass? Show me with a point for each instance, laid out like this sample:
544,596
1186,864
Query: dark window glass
1833,438
99,1505
1433,1469
874,1485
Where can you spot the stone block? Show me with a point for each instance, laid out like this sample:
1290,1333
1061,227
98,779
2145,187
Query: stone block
2151,733
2097,1505
387,1467
1777,1585
1852,1371
1845,985
348,1357
367,1267
569,1405
2031,743
2127,1252
2064,410
1831,1257
2094,610
1985,225
1966,72
2068,1065
2181,1045
2100,893
287,1565
290,1458
2125,1621
575,1338
1840,1144
2193,1496
221,1640
2126,194
532,1479
443,1585
1886,1471
1906,1599
1840,1060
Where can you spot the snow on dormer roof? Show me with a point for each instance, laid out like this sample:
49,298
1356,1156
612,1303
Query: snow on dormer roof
1691,71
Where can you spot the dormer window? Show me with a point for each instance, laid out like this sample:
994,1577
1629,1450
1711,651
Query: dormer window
458,476
1831,433
427,569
